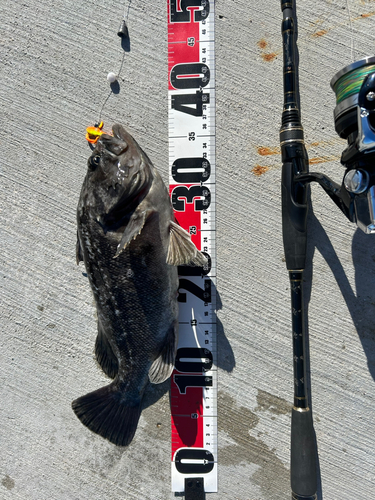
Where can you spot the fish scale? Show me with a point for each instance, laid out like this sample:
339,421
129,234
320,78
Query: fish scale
116,274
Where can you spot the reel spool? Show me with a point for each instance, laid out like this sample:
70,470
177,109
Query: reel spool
354,116
354,113
347,84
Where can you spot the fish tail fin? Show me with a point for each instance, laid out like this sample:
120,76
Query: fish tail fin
109,413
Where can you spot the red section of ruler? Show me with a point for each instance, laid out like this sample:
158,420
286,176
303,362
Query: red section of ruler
187,421
189,219
183,42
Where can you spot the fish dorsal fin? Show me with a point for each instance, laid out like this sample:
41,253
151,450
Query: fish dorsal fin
133,229
181,249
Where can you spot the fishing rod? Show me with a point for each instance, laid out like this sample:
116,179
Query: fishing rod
354,117
294,219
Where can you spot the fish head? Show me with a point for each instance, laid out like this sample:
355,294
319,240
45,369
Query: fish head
119,173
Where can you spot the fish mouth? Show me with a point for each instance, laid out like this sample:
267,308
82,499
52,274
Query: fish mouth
116,144
125,163
120,133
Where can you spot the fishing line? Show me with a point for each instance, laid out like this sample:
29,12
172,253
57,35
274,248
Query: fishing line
127,14
351,32
351,82
123,33
321,22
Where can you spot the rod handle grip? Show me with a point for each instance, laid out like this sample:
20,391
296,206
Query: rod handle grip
294,217
303,475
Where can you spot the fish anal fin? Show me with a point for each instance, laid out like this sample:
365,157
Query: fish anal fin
104,354
162,368
133,228
108,413
181,249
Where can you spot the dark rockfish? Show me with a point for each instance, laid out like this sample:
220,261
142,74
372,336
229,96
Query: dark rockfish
130,246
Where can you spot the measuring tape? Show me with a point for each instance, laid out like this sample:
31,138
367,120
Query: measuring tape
191,101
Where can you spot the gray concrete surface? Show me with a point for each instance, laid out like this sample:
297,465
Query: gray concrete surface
55,56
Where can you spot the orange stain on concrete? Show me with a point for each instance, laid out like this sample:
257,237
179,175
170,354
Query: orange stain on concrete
258,170
269,57
322,159
266,56
320,33
262,43
263,151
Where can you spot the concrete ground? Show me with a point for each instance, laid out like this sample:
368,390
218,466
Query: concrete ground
55,56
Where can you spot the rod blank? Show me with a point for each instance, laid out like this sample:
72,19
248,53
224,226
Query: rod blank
294,218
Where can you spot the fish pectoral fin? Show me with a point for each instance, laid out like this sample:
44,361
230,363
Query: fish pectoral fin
181,249
79,256
134,228
162,368
110,413
104,354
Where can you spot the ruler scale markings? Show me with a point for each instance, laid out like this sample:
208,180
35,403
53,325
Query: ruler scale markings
191,120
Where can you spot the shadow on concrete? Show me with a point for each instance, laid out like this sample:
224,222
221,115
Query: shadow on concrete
115,87
186,426
360,302
125,43
225,361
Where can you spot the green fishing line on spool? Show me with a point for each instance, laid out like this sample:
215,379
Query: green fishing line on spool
351,83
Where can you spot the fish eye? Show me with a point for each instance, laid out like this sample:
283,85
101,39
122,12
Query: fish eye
94,161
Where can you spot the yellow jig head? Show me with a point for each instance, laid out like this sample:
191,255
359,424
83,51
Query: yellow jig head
93,133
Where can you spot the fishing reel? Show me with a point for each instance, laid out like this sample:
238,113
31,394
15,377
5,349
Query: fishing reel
354,116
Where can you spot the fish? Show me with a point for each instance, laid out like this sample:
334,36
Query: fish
131,245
